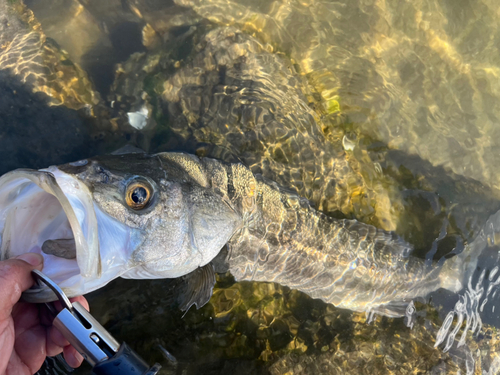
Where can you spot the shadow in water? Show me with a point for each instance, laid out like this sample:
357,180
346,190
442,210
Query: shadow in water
36,135
100,61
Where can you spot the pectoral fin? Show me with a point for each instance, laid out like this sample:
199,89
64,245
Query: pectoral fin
198,287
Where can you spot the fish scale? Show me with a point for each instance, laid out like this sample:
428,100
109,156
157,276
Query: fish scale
344,262
196,206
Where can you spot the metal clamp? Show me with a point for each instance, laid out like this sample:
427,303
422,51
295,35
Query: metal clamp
80,328
41,277
91,340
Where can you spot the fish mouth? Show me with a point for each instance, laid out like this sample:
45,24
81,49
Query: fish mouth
52,213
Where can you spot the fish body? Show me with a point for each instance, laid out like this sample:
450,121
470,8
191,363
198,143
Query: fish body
350,264
168,215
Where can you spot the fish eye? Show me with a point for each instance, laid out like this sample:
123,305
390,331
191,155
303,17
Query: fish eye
138,195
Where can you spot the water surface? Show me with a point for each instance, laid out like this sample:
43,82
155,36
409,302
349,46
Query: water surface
382,111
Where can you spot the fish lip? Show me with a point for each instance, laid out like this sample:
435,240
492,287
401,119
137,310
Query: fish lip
86,240
86,236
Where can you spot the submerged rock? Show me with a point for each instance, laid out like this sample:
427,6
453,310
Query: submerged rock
420,76
34,134
49,112
224,94
220,92
307,104
40,62
268,329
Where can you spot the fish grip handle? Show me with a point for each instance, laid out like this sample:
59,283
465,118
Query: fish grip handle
91,340
125,362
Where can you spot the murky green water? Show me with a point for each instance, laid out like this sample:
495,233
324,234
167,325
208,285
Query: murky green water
383,111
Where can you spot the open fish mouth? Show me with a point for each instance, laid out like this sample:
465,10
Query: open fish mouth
53,214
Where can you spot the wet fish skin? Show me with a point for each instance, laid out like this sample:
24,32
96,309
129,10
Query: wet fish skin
344,262
187,222
272,234
350,264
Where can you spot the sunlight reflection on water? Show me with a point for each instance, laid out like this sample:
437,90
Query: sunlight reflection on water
383,111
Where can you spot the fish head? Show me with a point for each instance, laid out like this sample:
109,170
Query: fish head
135,216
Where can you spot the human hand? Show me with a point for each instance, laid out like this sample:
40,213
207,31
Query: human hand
26,332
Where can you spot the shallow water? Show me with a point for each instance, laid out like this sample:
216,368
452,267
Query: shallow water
383,111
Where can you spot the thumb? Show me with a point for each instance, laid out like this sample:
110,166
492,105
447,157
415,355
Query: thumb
15,277
33,259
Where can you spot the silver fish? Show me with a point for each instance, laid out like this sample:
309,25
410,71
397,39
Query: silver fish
168,215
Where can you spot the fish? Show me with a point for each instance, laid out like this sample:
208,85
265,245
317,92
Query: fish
168,215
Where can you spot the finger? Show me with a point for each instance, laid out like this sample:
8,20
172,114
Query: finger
46,316
56,338
79,299
30,347
15,277
52,349
25,316
82,301
72,357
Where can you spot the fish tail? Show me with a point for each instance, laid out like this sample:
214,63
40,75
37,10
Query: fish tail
457,271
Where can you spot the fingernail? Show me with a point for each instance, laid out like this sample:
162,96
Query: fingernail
32,258
79,358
